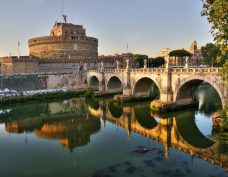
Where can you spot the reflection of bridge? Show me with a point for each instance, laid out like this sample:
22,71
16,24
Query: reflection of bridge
168,131
176,85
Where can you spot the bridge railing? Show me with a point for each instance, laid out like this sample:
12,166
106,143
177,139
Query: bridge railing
160,70
196,70
142,70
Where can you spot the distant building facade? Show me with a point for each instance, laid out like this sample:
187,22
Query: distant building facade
196,59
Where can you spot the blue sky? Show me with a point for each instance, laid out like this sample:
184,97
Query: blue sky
145,25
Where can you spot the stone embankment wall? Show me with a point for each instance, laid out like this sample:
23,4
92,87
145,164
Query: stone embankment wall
27,82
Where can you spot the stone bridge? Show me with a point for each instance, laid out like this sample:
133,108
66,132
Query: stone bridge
176,85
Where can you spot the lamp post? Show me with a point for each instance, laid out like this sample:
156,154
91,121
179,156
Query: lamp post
212,62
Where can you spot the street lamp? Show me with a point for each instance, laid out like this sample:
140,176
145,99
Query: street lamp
212,62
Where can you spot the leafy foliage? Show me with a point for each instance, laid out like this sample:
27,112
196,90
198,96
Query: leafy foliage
210,52
216,12
180,53
139,59
156,62
217,15
89,92
224,71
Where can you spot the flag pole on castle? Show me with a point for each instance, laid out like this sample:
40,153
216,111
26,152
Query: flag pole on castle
18,47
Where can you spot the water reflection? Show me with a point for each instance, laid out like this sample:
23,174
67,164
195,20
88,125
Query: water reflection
73,123
64,121
177,129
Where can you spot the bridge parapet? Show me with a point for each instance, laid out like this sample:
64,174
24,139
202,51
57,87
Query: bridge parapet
210,70
148,70
196,70
114,70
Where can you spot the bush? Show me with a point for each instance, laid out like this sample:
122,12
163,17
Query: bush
224,117
89,92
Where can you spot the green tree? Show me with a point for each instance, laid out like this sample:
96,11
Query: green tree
180,53
138,59
210,52
216,12
156,62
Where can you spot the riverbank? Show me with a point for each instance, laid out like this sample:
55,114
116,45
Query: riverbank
41,97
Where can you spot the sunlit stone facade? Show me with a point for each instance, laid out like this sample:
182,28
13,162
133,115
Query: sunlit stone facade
196,59
66,41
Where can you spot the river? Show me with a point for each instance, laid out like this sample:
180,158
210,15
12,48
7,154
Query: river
97,137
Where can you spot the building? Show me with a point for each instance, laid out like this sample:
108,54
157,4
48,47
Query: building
66,41
196,59
14,65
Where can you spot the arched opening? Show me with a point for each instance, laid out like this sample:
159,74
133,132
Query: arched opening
143,116
115,109
187,128
94,103
115,85
146,87
94,82
199,91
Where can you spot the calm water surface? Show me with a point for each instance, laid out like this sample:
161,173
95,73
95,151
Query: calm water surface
97,138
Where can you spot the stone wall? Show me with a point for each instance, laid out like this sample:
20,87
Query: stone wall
27,82
14,65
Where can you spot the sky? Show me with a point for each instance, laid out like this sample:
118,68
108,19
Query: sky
146,26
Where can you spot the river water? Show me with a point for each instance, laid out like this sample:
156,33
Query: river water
99,138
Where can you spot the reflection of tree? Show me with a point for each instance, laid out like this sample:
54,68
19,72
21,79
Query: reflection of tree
222,139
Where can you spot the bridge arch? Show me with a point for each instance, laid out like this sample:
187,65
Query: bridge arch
189,132
144,118
114,84
115,109
185,90
94,82
145,86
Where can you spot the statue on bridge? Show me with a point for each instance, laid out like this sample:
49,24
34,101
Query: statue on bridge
187,62
145,64
117,65
102,66
127,64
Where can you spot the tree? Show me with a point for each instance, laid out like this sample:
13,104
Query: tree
138,59
216,12
180,54
156,62
210,52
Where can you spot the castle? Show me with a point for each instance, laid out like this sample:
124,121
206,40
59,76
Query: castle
66,41
68,49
